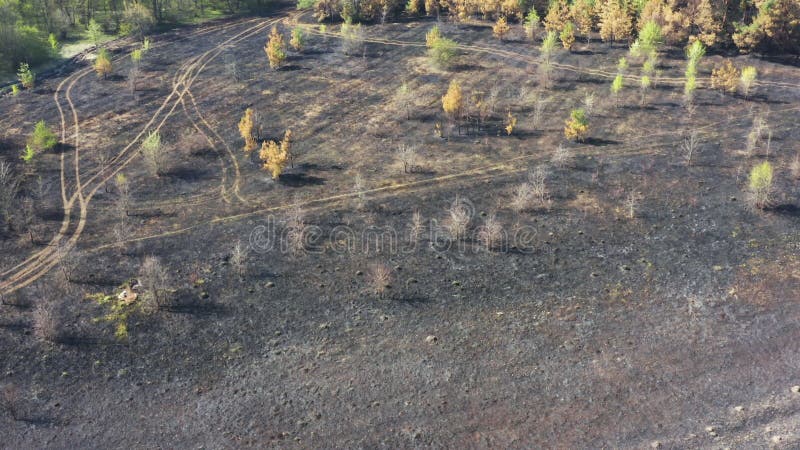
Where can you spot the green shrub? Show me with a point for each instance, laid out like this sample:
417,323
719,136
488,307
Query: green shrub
26,76
748,77
443,52
28,154
760,185
42,138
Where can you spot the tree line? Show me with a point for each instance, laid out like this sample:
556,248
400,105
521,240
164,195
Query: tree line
31,30
749,25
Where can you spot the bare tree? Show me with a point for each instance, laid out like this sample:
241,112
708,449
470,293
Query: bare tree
121,232
380,278
632,204
539,105
756,135
589,103
794,166
523,198
407,156
538,181
154,281
9,187
458,218
239,259
45,322
296,231
10,401
68,261
562,156
417,225
490,233
358,189
690,147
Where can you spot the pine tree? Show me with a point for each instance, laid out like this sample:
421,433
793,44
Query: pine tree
567,36
102,64
452,101
557,16
501,28
246,125
275,49
615,21
275,156
577,126
582,12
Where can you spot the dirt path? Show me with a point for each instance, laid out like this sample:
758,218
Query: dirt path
43,261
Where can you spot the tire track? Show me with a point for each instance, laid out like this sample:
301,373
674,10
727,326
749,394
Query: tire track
34,267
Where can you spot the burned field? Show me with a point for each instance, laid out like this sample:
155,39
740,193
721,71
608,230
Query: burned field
410,279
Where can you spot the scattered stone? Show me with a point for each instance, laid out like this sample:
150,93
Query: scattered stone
739,408
776,439
358,272
655,444
594,274
456,283
733,199
204,295
270,284
796,389
431,339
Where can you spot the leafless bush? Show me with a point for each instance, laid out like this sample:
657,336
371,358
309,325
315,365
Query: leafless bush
632,204
239,259
193,142
407,157
10,401
458,217
45,322
123,201
154,153
490,233
9,186
121,232
417,225
562,156
690,147
154,281
756,135
539,105
68,261
538,181
296,231
589,103
492,98
523,198
380,278
359,187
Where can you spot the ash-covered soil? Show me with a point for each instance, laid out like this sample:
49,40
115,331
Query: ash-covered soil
588,326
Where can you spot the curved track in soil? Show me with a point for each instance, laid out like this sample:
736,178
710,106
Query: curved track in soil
43,261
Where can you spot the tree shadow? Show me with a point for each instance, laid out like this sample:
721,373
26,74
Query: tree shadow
787,209
300,180
598,142
189,174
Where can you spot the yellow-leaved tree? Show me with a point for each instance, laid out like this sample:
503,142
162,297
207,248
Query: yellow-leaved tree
501,28
246,125
453,101
615,21
275,156
275,49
